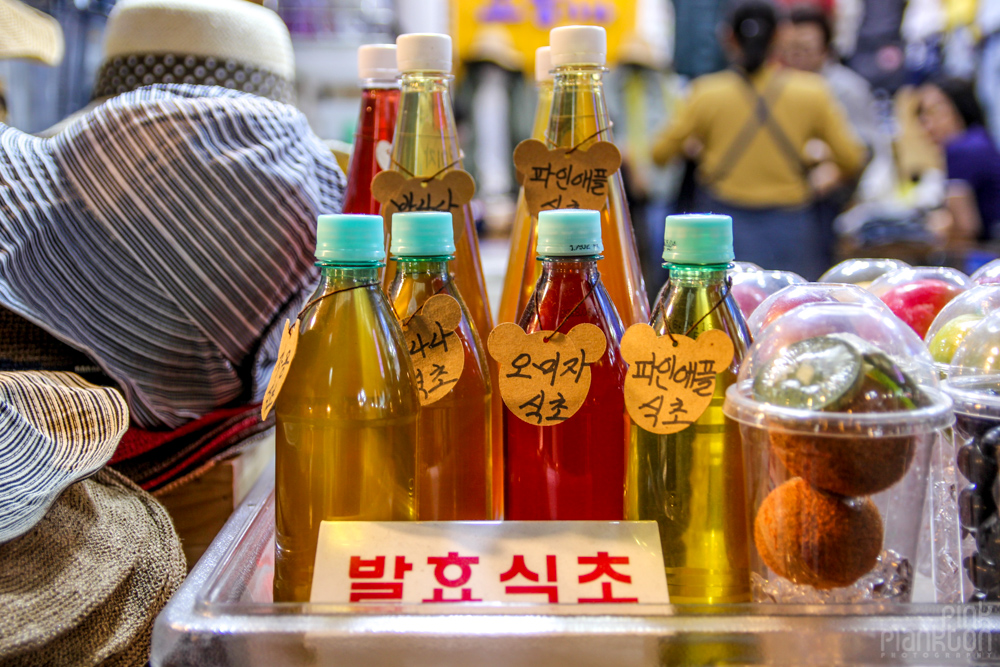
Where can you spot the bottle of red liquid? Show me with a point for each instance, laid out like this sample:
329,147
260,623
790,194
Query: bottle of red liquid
575,469
376,123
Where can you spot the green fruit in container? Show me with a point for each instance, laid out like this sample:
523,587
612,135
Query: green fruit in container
950,336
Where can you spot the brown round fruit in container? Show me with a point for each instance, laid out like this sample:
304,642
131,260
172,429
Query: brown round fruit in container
815,538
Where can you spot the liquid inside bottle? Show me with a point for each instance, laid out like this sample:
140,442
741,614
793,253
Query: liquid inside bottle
573,470
691,483
346,419
522,268
454,433
579,117
376,123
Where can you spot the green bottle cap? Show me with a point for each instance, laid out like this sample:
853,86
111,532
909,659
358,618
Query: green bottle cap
698,239
569,232
350,239
424,234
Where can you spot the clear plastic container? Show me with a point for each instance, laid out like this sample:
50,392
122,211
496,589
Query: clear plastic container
750,288
861,271
974,386
745,267
793,296
988,273
917,294
840,410
959,317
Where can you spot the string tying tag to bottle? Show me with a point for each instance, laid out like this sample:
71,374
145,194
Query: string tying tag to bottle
729,288
287,348
572,310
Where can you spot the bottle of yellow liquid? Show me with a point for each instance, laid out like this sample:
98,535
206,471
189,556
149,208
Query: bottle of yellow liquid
347,412
454,435
579,117
521,274
425,144
691,482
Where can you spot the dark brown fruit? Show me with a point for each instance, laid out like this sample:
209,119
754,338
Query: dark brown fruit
817,539
849,465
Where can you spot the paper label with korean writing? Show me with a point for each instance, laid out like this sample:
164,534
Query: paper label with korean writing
544,562
436,351
286,352
545,376
564,177
671,379
446,193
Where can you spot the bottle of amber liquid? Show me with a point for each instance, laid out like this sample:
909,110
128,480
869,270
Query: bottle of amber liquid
347,412
574,469
691,482
376,123
579,117
426,144
454,435
522,268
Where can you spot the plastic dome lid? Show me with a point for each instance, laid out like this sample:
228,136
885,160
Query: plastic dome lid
974,378
861,271
744,267
795,296
750,288
912,274
839,369
987,274
958,318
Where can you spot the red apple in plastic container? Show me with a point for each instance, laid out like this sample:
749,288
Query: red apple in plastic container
918,303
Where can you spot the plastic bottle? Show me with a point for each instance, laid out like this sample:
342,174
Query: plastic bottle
692,482
347,412
579,112
454,434
522,269
573,470
426,144
376,123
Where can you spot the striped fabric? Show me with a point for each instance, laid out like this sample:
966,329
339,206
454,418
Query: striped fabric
167,234
55,429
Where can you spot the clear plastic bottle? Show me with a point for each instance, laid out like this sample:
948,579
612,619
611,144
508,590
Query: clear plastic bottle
454,434
573,470
522,268
347,412
376,123
692,482
426,144
580,114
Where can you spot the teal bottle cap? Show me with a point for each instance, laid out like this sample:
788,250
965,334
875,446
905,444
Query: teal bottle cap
569,232
350,239
423,234
698,239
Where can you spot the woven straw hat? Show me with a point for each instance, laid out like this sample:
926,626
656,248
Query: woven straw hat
28,33
230,43
55,429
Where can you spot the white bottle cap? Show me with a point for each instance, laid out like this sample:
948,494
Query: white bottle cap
423,52
543,64
578,45
377,61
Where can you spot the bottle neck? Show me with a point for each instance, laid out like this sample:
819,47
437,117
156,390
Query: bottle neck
426,137
334,276
423,267
583,266
579,108
697,274
542,110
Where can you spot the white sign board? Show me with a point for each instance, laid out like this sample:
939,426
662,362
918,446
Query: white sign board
575,562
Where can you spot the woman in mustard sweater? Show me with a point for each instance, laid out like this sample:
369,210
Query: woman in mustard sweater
752,123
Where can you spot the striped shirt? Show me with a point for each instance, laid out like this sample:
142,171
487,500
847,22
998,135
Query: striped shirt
167,234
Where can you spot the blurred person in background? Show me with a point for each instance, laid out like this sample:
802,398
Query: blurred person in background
950,113
988,77
807,46
749,126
